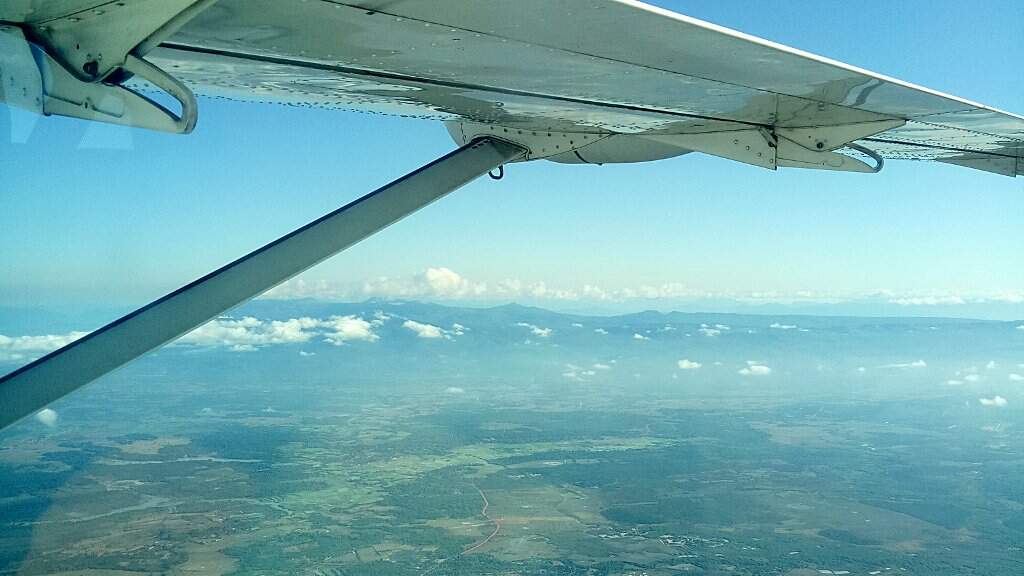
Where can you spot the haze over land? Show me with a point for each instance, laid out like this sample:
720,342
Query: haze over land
409,438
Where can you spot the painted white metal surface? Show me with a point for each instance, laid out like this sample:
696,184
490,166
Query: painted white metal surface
750,146
791,155
569,66
830,138
32,79
34,11
67,95
539,144
21,84
67,369
621,148
539,64
994,164
92,41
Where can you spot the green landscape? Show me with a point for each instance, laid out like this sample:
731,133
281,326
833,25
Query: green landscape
402,456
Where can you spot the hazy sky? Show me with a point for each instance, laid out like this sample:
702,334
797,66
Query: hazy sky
100,214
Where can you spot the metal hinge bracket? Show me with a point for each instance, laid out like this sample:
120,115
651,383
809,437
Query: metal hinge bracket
76,65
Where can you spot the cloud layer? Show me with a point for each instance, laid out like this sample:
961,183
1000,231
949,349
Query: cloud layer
712,331
235,334
754,368
905,365
536,330
47,417
26,348
249,333
423,330
995,401
442,283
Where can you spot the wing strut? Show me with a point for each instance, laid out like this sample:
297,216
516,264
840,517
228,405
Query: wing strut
35,385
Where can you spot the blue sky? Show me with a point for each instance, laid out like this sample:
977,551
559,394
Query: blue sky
100,215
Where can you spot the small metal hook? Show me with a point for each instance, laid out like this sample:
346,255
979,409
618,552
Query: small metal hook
499,175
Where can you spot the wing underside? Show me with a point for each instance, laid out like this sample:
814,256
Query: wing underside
538,65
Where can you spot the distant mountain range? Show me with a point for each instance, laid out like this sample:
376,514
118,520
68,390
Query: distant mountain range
38,320
459,347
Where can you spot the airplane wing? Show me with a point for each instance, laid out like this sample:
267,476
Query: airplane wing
669,85
572,81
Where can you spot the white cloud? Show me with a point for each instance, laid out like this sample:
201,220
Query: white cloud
954,382
685,364
445,284
972,377
424,330
755,369
1021,327
1016,378
247,334
778,326
600,366
303,353
996,401
249,331
345,328
715,330
540,291
454,390
991,365
601,331
577,325
637,336
572,372
300,288
25,348
914,364
536,330
928,300
1008,296
436,283
861,369
47,417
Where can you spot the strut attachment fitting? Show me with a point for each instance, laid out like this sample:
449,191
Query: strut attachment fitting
76,64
